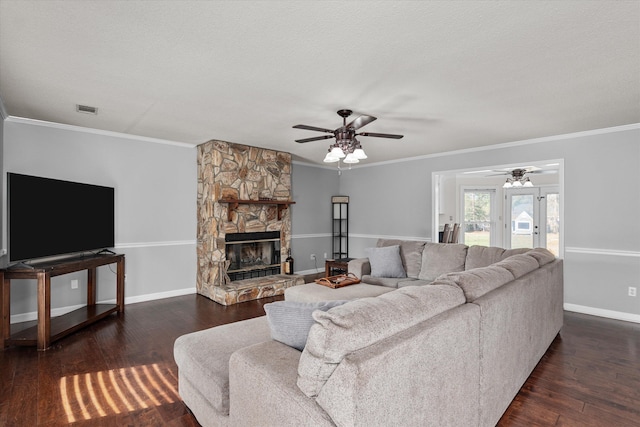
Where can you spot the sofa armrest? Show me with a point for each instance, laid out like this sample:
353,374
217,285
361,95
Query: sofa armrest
263,389
359,267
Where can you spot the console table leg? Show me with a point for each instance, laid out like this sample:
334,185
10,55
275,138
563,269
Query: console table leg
5,305
91,286
120,285
44,311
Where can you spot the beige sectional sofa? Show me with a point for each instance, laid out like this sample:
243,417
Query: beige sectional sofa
448,350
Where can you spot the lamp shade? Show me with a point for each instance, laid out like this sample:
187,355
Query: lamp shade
359,154
351,158
337,152
330,159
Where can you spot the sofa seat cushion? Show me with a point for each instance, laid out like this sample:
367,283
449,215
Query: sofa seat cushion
477,282
410,253
484,256
440,258
414,282
360,323
312,292
203,357
389,282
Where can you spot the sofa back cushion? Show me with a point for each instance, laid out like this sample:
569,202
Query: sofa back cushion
477,282
440,258
360,323
542,255
410,253
484,256
518,265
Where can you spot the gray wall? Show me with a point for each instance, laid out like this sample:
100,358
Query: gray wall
155,190
156,220
312,188
602,201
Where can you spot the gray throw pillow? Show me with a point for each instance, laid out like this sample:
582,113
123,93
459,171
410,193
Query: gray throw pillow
386,261
290,321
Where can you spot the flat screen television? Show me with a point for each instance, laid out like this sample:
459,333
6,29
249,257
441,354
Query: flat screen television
49,217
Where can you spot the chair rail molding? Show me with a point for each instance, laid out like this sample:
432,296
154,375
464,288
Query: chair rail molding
598,251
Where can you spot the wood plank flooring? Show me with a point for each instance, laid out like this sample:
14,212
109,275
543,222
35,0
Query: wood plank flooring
120,371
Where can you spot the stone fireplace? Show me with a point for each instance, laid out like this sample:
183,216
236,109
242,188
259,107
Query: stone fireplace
244,222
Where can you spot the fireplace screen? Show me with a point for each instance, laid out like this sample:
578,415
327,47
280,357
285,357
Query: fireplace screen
253,254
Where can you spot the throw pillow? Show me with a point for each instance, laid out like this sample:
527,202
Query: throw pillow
290,321
386,261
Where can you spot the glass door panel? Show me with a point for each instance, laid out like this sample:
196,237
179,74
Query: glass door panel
551,213
523,227
478,220
533,216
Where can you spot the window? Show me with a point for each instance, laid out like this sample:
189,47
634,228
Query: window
479,217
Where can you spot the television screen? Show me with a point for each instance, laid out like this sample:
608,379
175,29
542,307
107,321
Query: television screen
48,217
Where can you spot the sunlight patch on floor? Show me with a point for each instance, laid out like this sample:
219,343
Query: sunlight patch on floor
105,393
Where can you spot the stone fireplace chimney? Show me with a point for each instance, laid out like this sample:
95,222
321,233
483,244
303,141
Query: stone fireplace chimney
229,174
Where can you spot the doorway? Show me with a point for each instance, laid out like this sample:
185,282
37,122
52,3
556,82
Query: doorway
492,225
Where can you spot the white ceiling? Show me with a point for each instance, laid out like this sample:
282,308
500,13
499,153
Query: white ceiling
447,75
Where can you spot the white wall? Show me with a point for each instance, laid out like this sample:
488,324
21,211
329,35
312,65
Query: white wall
155,190
602,256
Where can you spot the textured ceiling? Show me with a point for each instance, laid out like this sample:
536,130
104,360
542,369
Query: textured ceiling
447,75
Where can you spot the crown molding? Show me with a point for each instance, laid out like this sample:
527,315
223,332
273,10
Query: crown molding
61,126
581,134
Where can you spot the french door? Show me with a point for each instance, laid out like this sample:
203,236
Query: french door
532,218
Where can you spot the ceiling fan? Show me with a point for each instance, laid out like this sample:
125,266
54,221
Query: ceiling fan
517,176
346,145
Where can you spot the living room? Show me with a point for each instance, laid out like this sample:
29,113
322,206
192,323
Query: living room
155,176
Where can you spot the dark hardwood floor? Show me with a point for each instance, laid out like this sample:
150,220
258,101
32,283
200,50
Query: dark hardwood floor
120,371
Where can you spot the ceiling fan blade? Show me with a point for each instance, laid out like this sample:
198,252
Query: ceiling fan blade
360,121
312,128
544,172
381,135
315,138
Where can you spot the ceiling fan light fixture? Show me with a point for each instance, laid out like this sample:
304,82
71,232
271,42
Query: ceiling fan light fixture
359,154
516,183
337,152
351,158
527,183
506,184
330,159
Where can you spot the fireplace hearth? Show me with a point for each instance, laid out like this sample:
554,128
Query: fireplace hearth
252,255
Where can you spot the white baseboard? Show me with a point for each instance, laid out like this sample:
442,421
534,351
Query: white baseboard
600,312
55,312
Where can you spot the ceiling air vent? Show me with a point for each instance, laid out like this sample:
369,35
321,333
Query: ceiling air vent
86,109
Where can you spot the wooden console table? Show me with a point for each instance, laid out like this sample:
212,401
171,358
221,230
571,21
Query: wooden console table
48,330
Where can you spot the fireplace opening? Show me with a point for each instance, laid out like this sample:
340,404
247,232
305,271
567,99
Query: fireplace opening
252,254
